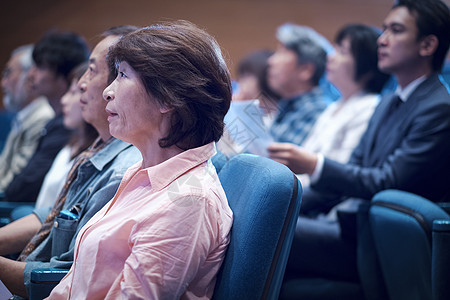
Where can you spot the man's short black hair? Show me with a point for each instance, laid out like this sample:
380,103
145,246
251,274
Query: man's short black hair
432,18
60,52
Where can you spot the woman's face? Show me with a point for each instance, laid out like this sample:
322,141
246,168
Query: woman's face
249,88
341,65
71,107
133,115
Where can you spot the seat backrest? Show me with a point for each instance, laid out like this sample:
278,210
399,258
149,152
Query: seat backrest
265,199
219,160
401,225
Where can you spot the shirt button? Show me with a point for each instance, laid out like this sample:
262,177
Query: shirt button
55,224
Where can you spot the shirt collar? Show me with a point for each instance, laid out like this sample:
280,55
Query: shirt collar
410,88
28,110
108,153
316,91
166,172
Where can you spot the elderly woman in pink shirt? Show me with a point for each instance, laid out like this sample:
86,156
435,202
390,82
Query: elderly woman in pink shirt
165,232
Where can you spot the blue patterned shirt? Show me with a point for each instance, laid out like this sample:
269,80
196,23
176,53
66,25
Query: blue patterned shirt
296,116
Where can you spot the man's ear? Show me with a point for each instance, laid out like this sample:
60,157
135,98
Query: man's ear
306,71
62,82
428,45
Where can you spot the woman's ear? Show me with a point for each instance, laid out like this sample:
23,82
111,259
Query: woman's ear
428,45
165,110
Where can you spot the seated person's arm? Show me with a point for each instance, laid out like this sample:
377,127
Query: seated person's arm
15,236
11,274
296,158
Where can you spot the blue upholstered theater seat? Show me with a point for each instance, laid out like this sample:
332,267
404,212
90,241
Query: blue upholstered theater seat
265,197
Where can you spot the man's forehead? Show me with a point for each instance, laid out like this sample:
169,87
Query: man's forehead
101,50
399,15
14,60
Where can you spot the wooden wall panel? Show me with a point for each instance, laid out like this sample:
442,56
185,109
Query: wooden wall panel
239,25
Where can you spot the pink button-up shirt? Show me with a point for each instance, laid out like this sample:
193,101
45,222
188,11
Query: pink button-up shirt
162,236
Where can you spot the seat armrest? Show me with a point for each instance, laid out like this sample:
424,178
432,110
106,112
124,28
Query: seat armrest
7,207
440,259
48,275
43,281
445,206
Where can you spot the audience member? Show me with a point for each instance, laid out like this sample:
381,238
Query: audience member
54,55
353,70
404,147
252,110
6,118
83,135
48,237
294,73
165,232
252,83
33,113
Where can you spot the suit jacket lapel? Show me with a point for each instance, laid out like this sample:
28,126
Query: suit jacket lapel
396,132
379,116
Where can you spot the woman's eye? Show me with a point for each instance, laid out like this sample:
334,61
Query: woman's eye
122,74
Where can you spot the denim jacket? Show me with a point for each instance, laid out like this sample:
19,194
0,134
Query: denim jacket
97,181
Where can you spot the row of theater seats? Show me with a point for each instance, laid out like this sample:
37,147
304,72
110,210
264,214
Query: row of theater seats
403,246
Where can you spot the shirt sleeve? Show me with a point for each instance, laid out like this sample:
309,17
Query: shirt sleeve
318,169
406,168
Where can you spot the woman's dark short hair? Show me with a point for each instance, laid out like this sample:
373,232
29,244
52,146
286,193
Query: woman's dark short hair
119,30
182,67
255,64
363,46
78,71
432,18
60,52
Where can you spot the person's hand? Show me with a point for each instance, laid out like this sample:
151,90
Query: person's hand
294,157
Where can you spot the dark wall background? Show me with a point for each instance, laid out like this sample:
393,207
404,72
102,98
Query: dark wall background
240,26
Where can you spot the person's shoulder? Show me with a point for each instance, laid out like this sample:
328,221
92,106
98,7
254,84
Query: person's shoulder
433,87
55,126
40,111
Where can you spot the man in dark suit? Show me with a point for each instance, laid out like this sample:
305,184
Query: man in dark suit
406,145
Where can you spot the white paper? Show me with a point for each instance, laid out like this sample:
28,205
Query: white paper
244,125
5,294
